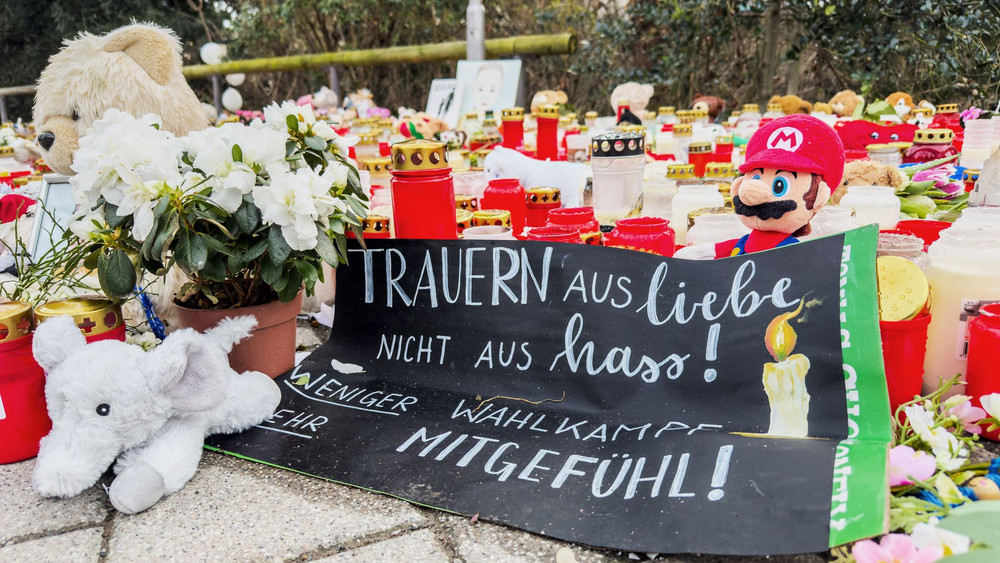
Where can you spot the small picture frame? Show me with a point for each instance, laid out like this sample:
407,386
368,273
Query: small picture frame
54,211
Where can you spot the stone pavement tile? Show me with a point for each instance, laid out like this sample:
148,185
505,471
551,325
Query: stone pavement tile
81,545
238,510
416,547
482,541
25,513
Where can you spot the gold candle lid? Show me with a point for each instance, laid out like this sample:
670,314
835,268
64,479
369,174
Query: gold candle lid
751,107
385,123
699,113
482,139
590,115
665,110
548,111
700,147
736,113
463,219
369,138
466,202
774,107
902,288
374,224
970,174
94,315
623,102
682,129
884,147
542,195
499,217
680,171
378,167
489,122
571,116
933,136
472,115
419,154
17,320
926,111
724,140
720,169
947,108
512,114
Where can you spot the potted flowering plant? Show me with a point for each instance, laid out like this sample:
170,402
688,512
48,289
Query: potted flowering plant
247,212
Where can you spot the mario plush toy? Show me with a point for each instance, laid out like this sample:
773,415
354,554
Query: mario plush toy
791,164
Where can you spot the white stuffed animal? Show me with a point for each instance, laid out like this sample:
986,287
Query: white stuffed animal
150,410
569,177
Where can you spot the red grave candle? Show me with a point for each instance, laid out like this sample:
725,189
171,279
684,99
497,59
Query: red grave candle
646,234
507,193
423,195
25,418
540,200
555,234
547,136
580,218
513,127
981,375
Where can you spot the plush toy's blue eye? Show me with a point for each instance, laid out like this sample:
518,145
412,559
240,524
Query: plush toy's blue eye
104,409
756,176
779,186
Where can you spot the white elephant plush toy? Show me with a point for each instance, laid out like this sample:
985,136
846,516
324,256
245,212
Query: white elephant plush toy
569,177
151,410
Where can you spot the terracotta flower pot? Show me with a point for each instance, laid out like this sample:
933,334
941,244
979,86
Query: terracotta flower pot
269,349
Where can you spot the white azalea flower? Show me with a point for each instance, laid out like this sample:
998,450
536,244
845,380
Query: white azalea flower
275,116
920,419
948,452
323,130
296,201
84,227
929,535
991,404
139,199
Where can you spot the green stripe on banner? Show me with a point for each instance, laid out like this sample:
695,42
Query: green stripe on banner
860,501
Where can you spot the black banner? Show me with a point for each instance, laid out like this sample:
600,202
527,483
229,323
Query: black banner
596,395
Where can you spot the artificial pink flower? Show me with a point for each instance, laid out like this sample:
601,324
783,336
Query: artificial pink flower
894,548
905,463
942,178
971,113
968,416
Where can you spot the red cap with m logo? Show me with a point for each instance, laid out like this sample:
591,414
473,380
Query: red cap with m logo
799,143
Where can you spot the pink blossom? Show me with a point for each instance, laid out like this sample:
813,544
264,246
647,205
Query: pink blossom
379,112
941,175
968,416
971,113
905,463
894,548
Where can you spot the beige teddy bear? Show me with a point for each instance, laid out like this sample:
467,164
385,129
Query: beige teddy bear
867,173
638,96
548,97
136,69
844,102
791,104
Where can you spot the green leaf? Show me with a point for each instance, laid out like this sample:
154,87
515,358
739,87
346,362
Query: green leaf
215,268
357,207
279,248
256,250
315,143
90,262
978,521
293,283
306,270
917,188
991,555
342,247
270,272
302,380
165,236
214,244
247,217
292,122
235,263
112,217
116,274
325,249
191,251
237,153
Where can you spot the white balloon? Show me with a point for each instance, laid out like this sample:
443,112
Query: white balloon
232,100
212,53
236,79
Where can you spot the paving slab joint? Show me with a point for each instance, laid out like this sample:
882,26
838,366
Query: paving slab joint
359,542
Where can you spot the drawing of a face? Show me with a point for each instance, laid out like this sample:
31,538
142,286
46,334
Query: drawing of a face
486,91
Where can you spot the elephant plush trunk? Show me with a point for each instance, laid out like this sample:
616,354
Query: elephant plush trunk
67,464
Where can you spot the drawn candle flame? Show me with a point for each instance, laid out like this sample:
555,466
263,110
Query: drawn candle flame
780,337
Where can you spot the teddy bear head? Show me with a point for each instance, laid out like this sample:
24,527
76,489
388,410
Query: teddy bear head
712,105
638,96
866,173
844,102
135,69
548,97
791,104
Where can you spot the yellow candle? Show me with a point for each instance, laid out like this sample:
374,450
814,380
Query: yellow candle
785,385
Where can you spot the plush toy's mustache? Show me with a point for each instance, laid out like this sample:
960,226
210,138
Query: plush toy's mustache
769,210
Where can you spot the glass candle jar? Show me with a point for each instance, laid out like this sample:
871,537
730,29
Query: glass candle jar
689,198
470,125
887,154
547,135
666,114
982,376
617,161
580,219
540,200
25,417
774,111
663,142
873,204
977,143
488,232
712,228
682,140
578,146
964,274
590,119
378,170
381,201
646,234
423,195
830,220
904,246
930,144
507,193
367,146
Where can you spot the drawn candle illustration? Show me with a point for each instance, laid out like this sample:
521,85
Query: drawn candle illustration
785,379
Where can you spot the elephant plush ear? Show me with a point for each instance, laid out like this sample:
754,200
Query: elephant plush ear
55,340
190,370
